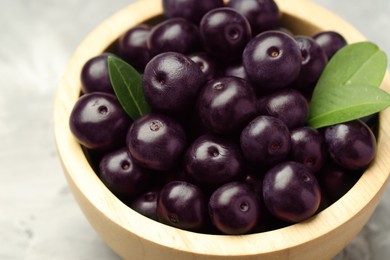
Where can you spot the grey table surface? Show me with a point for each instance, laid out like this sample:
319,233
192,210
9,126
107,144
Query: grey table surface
39,218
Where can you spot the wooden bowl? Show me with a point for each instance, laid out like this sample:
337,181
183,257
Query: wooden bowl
133,236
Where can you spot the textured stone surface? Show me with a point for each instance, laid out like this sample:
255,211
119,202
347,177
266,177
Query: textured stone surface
39,218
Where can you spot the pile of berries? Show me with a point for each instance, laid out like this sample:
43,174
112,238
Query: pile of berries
225,148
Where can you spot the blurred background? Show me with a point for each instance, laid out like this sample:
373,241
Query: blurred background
39,218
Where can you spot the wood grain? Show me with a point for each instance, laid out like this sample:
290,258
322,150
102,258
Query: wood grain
133,236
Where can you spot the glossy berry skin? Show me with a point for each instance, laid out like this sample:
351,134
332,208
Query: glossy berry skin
265,140
207,65
98,121
132,46
234,208
225,105
156,141
236,70
175,34
212,161
94,75
288,105
171,82
352,145
224,33
314,61
262,14
291,193
308,148
182,205
146,204
192,10
121,175
272,60
330,42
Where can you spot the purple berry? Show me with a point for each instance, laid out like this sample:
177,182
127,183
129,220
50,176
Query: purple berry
262,14
192,10
352,145
132,46
156,142
265,141
146,204
314,61
224,33
288,105
330,42
291,192
171,82
308,148
272,60
212,161
98,121
182,205
234,208
95,77
121,175
176,34
225,105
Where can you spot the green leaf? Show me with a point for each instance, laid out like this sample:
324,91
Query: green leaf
127,84
351,102
348,88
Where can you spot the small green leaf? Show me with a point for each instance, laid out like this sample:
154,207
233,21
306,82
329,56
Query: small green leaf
127,84
348,88
357,101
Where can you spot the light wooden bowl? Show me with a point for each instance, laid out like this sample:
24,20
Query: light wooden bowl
133,236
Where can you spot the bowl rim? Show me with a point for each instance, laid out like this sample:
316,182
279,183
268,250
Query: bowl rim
82,177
